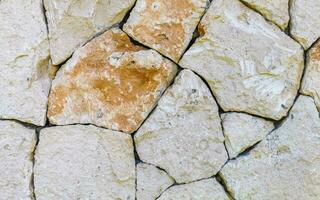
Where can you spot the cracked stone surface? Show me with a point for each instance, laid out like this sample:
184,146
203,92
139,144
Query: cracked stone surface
285,165
24,69
71,23
151,182
183,135
242,131
205,189
166,26
250,65
305,21
84,162
16,148
109,82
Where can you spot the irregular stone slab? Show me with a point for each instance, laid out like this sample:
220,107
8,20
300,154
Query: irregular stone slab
109,82
241,131
311,80
276,11
84,162
71,23
250,65
285,165
151,182
24,71
205,189
166,26
17,144
305,21
183,135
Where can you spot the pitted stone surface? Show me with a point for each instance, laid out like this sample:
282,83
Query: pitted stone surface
16,148
109,82
183,135
250,65
84,162
285,165
166,26
71,23
24,69
151,182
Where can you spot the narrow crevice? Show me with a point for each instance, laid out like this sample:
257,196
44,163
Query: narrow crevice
44,11
126,17
220,179
32,185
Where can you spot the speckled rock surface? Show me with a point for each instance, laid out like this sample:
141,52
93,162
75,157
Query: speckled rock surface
305,21
166,26
250,65
16,148
24,79
183,135
205,189
71,23
151,182
242,131
285,165
84,162
109,82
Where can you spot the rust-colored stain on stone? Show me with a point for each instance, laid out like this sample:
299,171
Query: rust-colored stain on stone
315,52
108,84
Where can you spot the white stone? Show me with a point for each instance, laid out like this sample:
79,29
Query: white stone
183,135
285,165
17,144
305,21
24,69
72,23
151,182
250,65
241,131
205,189
84,162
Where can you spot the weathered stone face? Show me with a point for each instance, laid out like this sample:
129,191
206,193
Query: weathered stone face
71,23
250,65
24,69
166,26
16,148
285,164
109,82
84,162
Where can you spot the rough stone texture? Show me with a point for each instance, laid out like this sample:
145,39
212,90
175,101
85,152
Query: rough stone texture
151,182
241,131
250,65
24,80
305,21
109,82
311,80
276,11
16,147
205,189
166,26
283,166
71,23
183,135
84,162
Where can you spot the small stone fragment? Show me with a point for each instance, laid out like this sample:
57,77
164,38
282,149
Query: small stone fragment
241,131
285,165
84,162
250,65
151,182
276,11
305,21
200,190
109,82
166,26
71,23
24,58
183,135
17,144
